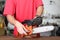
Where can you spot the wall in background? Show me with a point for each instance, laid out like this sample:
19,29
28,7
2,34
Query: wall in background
51,8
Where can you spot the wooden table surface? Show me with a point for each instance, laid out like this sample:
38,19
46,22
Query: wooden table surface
41,38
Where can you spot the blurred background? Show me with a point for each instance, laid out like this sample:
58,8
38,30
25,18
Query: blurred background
51,16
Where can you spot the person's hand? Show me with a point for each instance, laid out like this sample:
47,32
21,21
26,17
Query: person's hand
20,28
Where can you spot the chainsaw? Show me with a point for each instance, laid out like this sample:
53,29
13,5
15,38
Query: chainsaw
30,24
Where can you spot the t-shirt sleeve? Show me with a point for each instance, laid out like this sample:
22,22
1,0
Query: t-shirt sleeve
9,8
38,3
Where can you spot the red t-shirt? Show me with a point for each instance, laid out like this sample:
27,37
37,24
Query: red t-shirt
24,9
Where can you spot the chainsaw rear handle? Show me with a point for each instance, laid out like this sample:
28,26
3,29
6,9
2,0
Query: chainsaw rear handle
29,28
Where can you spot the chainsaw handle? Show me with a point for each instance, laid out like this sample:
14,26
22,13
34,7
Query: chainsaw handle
29,28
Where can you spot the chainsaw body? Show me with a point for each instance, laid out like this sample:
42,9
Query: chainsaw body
29,24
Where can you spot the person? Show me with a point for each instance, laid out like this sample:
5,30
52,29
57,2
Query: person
17,11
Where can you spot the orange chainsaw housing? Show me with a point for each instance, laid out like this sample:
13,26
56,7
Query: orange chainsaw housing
16,33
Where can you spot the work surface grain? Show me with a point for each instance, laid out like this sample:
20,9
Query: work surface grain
40,38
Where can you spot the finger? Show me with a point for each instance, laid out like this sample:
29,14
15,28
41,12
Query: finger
24,33
21,31
25,29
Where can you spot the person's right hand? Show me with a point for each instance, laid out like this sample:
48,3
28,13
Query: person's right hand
20,28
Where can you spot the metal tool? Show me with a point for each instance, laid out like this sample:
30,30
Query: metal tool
43,29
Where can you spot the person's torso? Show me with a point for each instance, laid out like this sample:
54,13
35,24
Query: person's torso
25,10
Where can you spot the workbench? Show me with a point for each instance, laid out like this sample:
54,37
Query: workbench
39,38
